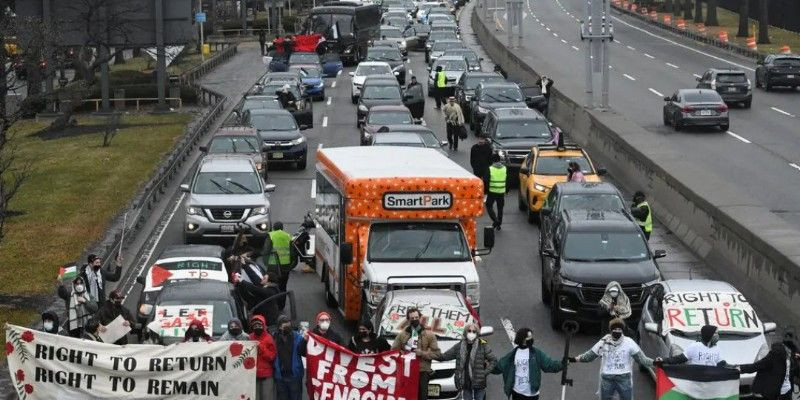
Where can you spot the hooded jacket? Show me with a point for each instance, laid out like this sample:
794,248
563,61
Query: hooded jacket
203,335
771,371
57,328
266,349
482,361
375,345
294,342
615,308
428,345
227,335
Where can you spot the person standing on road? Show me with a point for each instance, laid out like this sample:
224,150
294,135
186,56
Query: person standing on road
265,385
113,309
81,308
286,97
454,119
439,84
291,346
614,303
474,361
365,341
196,332
262,40
497,191
703,352
50,324
574,173
96,277
277,252
642,213
416,101
254,285
775,372
417,338
618,352
323,329
522,367
234,332
480,158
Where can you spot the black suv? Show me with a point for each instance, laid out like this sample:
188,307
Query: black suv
731,84
778,70
489,96
589,249
378,91
465,88
513,131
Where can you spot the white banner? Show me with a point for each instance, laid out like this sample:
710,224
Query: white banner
728,311
47,366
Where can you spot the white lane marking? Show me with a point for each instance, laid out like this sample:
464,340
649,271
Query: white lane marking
313,188
629,77
739,137
655,92
575,48
324,121
683,45
319,146
795,166
648,56
333,84
541,23
776,109
555,34
631,48
672,65
610,67
618,42
563,41
339,73
158,240
548,29
697,76
509,328
329,100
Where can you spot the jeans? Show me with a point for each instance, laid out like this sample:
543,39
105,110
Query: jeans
620,384
474,394
265,389
517,396
491,199
289,388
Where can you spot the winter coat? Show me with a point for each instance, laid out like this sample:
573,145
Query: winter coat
105,275
57,328
480,158
375,345
298,349
482,361
187,337
771,371
538,361
266,350
330,334
109,312
428,345
227,337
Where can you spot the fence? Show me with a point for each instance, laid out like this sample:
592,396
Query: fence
195,73
138,100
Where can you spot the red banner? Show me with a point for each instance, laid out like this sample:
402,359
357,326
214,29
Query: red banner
333,372
307,42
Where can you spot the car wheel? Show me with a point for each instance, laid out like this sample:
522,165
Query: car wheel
724,127
747,103
520,202
533,216
666,120
677,123
555,314
767,85
546,299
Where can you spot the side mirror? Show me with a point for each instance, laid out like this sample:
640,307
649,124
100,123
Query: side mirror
651,327
269,188
525,171
770,327
601,171
204,149
486,331
346,253
443,143
351,73
396,73
488,237
185,187
667,98
140,280
545,211
303,127
659,254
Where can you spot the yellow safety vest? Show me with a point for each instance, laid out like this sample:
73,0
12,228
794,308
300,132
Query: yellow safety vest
497,179
441,79
281,240
647,224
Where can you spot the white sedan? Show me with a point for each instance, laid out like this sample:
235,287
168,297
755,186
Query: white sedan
360,75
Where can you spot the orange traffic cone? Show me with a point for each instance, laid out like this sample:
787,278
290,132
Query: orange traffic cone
681,23
723,36
751,43
785,49
667,19
701,27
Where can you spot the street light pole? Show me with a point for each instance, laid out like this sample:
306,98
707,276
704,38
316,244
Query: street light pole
597,31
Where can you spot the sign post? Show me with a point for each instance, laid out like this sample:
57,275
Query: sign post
201,17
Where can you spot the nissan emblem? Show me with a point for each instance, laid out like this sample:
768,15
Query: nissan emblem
227,214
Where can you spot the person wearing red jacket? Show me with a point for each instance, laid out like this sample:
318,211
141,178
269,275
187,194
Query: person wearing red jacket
266,356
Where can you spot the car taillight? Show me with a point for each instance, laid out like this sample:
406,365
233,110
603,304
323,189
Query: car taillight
687,110
723,108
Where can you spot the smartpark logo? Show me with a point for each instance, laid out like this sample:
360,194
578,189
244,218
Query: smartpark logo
418,201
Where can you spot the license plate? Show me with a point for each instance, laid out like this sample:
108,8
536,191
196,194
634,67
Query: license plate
227,228
790,76
705,112
434,390
731,89
277,155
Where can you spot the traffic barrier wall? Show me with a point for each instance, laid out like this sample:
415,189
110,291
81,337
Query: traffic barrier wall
745,243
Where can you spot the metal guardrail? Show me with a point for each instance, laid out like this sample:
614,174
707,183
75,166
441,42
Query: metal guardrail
195,73
138,100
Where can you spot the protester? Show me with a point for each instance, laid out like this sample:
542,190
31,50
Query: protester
234,332
618,352
419,339
703,352
497,191
113,309
454,119
474,361
262,39
288,45
323,329
480,158
266,357
92,331
642,213
775,373
286,97
574,173
291,346
80,308
416,99
522,367
545,84
196,332
614,303
50,324
96,277
277,253
365,341
440,82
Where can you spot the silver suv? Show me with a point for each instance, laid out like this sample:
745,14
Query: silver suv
225,191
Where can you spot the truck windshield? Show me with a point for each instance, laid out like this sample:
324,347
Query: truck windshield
417,241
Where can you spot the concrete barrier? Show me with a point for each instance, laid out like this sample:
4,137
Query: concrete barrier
740,240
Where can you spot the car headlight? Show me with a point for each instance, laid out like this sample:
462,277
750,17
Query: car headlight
749,85
300,140
376,292
675,350
145,309
260,211
483,110
192,210
539,187
362,108
567,282
474,293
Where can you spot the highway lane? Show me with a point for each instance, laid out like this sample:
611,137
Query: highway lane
761,145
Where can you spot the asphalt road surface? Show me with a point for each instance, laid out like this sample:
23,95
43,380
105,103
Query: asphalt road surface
760,154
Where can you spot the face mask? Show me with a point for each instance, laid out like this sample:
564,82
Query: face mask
529,342
286,329
118,302
235,331
363,335
80,288
471,336
614,293
616,335
257,331
324,325
415,323
714,339
48,325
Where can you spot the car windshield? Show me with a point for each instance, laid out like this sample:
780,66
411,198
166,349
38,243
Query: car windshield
304,58
273,122
364,70
442,35
383,55
535,128
402,242
227,183
442,46
381,92
702,97
501,94
389,118
447,321
471,83
591,201
557,165
391,33
257,104
605,246
322,23
451,65
233,144
223,312
787,62
307,72
731,78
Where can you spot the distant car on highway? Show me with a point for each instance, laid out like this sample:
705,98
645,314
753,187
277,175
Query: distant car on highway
453,67
391,56
731,84
489,96
331,65
778,70
696,107
311,76
363,70
408,136
512,132
395,34
242,140
379,116
439,47
378,91
280,135
303,108
472,59
304,58
465,88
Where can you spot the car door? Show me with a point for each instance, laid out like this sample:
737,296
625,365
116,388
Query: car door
523,179
705,81
550,264
547,220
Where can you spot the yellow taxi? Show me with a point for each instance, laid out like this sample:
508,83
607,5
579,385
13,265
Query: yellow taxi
545,166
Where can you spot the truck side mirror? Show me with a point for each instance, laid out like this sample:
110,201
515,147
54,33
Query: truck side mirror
486,331
185,187
488,237
346,253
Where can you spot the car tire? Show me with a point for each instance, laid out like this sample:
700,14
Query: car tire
767,85
747,103
546,299
758,80
533,216
677,124
724,127
555,315
666,120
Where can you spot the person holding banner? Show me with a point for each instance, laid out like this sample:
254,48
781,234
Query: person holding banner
265,385
109,311
417,338
92,331
291,347
196,332
703,352
474,361
323,329
774,373
234,332
522,367
80,307
365,341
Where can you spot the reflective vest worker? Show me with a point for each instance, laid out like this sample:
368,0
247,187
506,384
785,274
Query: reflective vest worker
497,178
440,82
441,78
497,191
641,211
281,240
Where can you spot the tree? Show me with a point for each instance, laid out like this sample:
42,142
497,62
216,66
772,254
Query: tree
763,22
711,13
744,17
698,11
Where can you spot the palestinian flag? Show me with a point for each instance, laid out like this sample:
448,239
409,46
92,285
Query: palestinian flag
696,382
67,272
